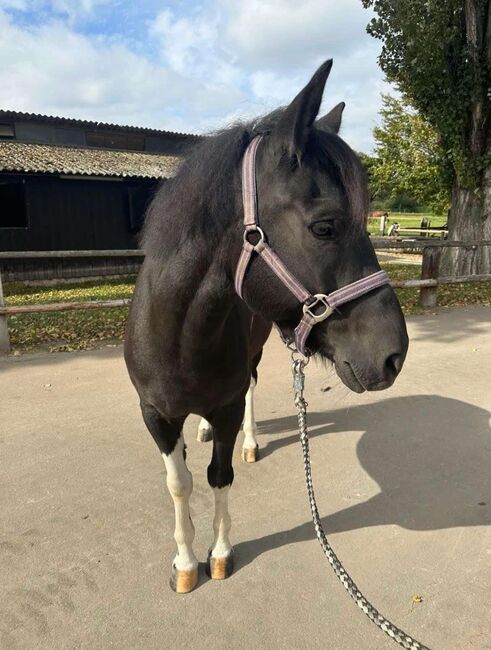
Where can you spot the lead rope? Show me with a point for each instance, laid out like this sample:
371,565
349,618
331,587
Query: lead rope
395,633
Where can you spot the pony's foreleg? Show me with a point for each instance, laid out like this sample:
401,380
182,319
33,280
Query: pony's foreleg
168,436
250,448
180,484
226,423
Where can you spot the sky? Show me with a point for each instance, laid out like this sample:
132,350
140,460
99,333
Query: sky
187,66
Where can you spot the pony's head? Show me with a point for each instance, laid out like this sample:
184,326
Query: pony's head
313,206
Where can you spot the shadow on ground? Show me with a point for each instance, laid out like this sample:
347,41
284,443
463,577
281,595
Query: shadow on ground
459,323
430,456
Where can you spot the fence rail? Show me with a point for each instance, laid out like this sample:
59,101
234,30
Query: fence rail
428,284
32,255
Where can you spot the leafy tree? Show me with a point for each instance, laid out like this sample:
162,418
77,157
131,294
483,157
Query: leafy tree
438,52
408,158
368,162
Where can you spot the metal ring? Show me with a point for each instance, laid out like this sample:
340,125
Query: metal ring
298,356
250,231
319,298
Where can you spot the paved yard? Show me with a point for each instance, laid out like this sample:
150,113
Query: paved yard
402,480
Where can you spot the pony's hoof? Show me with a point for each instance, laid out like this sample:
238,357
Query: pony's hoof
220,568
250,454
204,435
182,582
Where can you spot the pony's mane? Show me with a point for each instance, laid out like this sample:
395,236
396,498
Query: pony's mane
201,197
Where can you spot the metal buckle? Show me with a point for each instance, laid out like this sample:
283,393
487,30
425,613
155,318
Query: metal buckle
319,299
252,231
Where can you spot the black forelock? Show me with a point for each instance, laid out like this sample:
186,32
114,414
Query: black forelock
344,168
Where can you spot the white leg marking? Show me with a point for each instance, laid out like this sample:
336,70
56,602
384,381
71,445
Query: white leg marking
221,523
180,484
205,427
249,426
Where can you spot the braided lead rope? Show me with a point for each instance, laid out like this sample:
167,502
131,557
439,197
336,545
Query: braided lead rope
395,633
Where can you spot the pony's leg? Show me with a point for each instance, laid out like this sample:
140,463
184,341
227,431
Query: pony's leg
205,431
250,448
226,422
168,436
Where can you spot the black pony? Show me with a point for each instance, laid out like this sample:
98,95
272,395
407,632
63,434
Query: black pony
189,345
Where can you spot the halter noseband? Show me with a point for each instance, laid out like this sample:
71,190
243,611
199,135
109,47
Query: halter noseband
317,307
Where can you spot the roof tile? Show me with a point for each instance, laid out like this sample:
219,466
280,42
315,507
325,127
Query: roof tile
24,157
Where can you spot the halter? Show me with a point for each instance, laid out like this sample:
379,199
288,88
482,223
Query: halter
316,307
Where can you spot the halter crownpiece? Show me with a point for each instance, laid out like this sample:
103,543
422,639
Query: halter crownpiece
317,307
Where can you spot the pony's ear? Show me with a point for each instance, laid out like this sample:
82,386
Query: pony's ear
295,123
332,120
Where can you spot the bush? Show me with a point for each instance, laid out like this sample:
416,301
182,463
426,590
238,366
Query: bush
403,203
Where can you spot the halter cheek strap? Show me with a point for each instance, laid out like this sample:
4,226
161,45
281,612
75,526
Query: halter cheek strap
317,307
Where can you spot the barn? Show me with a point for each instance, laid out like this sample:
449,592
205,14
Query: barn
68,184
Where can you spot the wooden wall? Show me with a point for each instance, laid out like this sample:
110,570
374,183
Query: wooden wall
72,214
20,270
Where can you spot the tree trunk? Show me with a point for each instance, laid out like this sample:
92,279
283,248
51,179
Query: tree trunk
470,220
470,215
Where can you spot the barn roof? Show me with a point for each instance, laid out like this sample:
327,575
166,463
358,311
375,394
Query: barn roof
50,159
66,121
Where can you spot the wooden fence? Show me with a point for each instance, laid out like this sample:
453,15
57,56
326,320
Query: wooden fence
428,284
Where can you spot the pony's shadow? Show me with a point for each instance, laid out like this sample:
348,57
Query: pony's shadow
430,456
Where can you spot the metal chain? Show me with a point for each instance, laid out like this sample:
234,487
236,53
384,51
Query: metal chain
395,633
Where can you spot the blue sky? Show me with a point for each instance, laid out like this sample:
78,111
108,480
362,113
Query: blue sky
183,65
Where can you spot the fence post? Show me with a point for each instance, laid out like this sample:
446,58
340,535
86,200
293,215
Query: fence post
430,270
4,330
383,220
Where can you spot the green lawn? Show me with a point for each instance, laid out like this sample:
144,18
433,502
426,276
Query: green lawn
78,330
407,220
69,330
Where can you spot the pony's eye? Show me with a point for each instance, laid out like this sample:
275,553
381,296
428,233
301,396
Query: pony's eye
323,229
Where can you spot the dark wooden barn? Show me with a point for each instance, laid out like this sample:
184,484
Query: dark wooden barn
69,184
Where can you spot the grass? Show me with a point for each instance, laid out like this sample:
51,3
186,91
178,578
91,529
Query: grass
69,330
407,220
80,330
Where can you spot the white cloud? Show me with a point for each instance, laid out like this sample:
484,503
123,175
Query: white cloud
204,68
192,48
272,87
285,33
270,48
52,69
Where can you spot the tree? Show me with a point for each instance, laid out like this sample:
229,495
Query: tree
408,157
438,53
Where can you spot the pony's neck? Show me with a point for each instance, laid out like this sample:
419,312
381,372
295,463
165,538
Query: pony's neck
197,295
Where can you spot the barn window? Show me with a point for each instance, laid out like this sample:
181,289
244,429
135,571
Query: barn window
13,210
7,131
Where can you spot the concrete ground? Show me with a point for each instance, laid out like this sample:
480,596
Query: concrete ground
402,481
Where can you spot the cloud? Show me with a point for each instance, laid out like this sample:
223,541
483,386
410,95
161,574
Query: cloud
286,33
192,48
194,68
270,48
52,69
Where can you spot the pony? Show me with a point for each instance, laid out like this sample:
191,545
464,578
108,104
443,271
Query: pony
189,345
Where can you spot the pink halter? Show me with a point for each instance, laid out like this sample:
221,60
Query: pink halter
317,307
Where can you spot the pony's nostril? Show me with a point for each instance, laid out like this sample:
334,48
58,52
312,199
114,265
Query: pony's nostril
393,364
